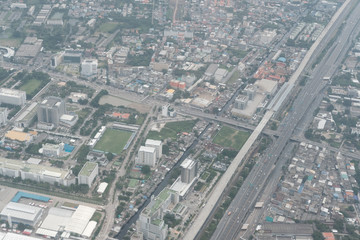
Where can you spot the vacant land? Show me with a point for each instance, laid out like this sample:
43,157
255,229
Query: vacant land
171,130
231,138
113,141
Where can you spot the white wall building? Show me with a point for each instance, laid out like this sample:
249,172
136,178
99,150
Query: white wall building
150,221
188,170
34,172
88,173
157,144
52,150
89,67
12,96
165,110
146,156
3,116
21,213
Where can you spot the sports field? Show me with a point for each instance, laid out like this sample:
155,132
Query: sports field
231,138
113,141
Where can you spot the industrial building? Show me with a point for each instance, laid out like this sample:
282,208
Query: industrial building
50,110
27,117
88,173
89,67
146,156
188,170
35,172
21,213
12,96
68,221
150,221
155,144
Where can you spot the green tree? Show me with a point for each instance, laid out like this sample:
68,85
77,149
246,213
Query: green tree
145,169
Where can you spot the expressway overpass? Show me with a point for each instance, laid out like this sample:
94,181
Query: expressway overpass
229,226
259,177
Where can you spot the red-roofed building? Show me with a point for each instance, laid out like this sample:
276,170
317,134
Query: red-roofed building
328,236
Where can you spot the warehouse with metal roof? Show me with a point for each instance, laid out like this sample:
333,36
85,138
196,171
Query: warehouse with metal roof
21,213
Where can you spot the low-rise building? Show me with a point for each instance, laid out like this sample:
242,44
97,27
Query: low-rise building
34,172
15,212
12,96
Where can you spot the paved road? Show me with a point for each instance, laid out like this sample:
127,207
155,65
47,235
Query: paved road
229,226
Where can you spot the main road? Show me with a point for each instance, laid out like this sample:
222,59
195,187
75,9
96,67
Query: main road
243,203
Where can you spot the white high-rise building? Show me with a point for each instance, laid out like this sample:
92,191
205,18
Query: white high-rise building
155,144
89,67
3,116
165,110
12,96
146,156
188,170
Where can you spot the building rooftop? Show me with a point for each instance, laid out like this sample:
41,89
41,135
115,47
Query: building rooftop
153,142
11,92
51,101
87,169
147,149
33,168
21,211
158,201
18,136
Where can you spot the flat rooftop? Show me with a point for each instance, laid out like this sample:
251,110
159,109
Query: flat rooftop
33,168
87,169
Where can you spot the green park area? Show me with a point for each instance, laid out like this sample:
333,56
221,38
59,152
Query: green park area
231,138
133,183
108,27
32,82
172,129
113,140
30,86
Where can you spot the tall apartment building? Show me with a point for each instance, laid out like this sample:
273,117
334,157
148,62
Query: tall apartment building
89,67
12,96
188,170
155,144
150,221
146,156
3,116
50,110
88,173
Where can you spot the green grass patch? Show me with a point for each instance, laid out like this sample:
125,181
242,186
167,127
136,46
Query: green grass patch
96,217
234,78
32,82
172,129
205,175
11,42
133,183
31,86
108,27
231,138
113,141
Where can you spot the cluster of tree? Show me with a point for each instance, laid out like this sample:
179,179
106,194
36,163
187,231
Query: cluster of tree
140,59
171,220
95,101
